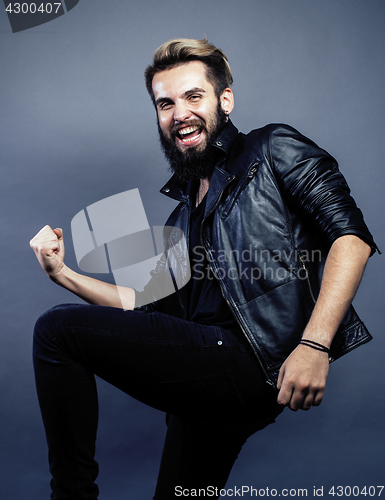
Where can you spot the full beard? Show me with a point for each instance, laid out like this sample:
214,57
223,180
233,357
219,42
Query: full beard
193,164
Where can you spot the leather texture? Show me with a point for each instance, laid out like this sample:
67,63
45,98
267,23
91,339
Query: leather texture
275,205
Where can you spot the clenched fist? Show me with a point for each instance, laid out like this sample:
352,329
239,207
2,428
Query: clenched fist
48,246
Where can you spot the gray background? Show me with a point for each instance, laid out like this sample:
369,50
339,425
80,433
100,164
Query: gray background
77,126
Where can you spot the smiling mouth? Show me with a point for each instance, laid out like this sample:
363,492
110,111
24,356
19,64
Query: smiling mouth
188,135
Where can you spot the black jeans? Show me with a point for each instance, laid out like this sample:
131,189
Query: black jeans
206,379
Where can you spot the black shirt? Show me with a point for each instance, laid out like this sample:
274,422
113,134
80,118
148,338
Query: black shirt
206,304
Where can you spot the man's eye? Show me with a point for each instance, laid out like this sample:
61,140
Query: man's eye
165,105
194,97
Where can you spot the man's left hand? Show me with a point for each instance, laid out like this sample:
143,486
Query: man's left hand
302,378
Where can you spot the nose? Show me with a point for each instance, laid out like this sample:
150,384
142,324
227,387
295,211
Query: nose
181,111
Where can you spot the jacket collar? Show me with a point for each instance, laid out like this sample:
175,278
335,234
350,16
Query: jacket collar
181,192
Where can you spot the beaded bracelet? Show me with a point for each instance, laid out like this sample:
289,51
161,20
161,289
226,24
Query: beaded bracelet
314,345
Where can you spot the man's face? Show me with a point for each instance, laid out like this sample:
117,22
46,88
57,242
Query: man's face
190,116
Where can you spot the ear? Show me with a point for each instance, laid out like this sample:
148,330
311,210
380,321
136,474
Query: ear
227,100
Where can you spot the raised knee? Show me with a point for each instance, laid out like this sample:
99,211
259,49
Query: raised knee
45,325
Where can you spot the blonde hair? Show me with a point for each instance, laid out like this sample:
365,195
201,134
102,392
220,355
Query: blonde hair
182,50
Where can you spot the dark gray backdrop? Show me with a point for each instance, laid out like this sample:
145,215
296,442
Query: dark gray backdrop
77,126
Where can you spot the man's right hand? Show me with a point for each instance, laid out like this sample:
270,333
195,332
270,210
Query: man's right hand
48,246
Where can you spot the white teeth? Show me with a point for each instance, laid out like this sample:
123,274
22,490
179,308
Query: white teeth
187,130
190,139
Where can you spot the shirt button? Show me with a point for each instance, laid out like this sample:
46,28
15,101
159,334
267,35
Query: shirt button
218,143
220,342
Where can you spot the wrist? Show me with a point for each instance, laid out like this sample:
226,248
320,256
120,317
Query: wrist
318,334
61,275
314,345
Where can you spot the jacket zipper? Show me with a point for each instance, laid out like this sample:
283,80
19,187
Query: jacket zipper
237,316
302,258
252,170
250,174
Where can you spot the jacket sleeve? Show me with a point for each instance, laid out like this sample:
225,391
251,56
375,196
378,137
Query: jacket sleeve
313,186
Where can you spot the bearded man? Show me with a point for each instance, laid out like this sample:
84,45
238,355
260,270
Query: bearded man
255,327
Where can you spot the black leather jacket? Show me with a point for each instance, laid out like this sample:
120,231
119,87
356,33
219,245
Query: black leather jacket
275,205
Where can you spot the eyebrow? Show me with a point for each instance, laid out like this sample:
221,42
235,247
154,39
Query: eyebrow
192,91
185,94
